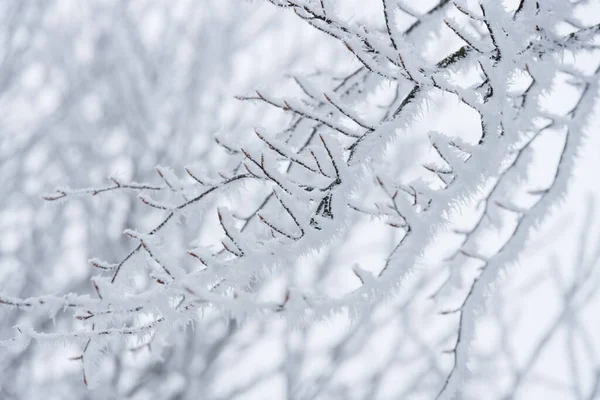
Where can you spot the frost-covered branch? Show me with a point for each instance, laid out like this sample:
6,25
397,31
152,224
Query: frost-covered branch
344,159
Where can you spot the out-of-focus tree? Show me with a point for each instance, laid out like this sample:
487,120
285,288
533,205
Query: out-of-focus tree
412,175
110,88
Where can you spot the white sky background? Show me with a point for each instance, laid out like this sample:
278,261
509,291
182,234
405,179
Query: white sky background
531,290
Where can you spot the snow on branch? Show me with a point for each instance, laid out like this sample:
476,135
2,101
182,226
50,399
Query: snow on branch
306,189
